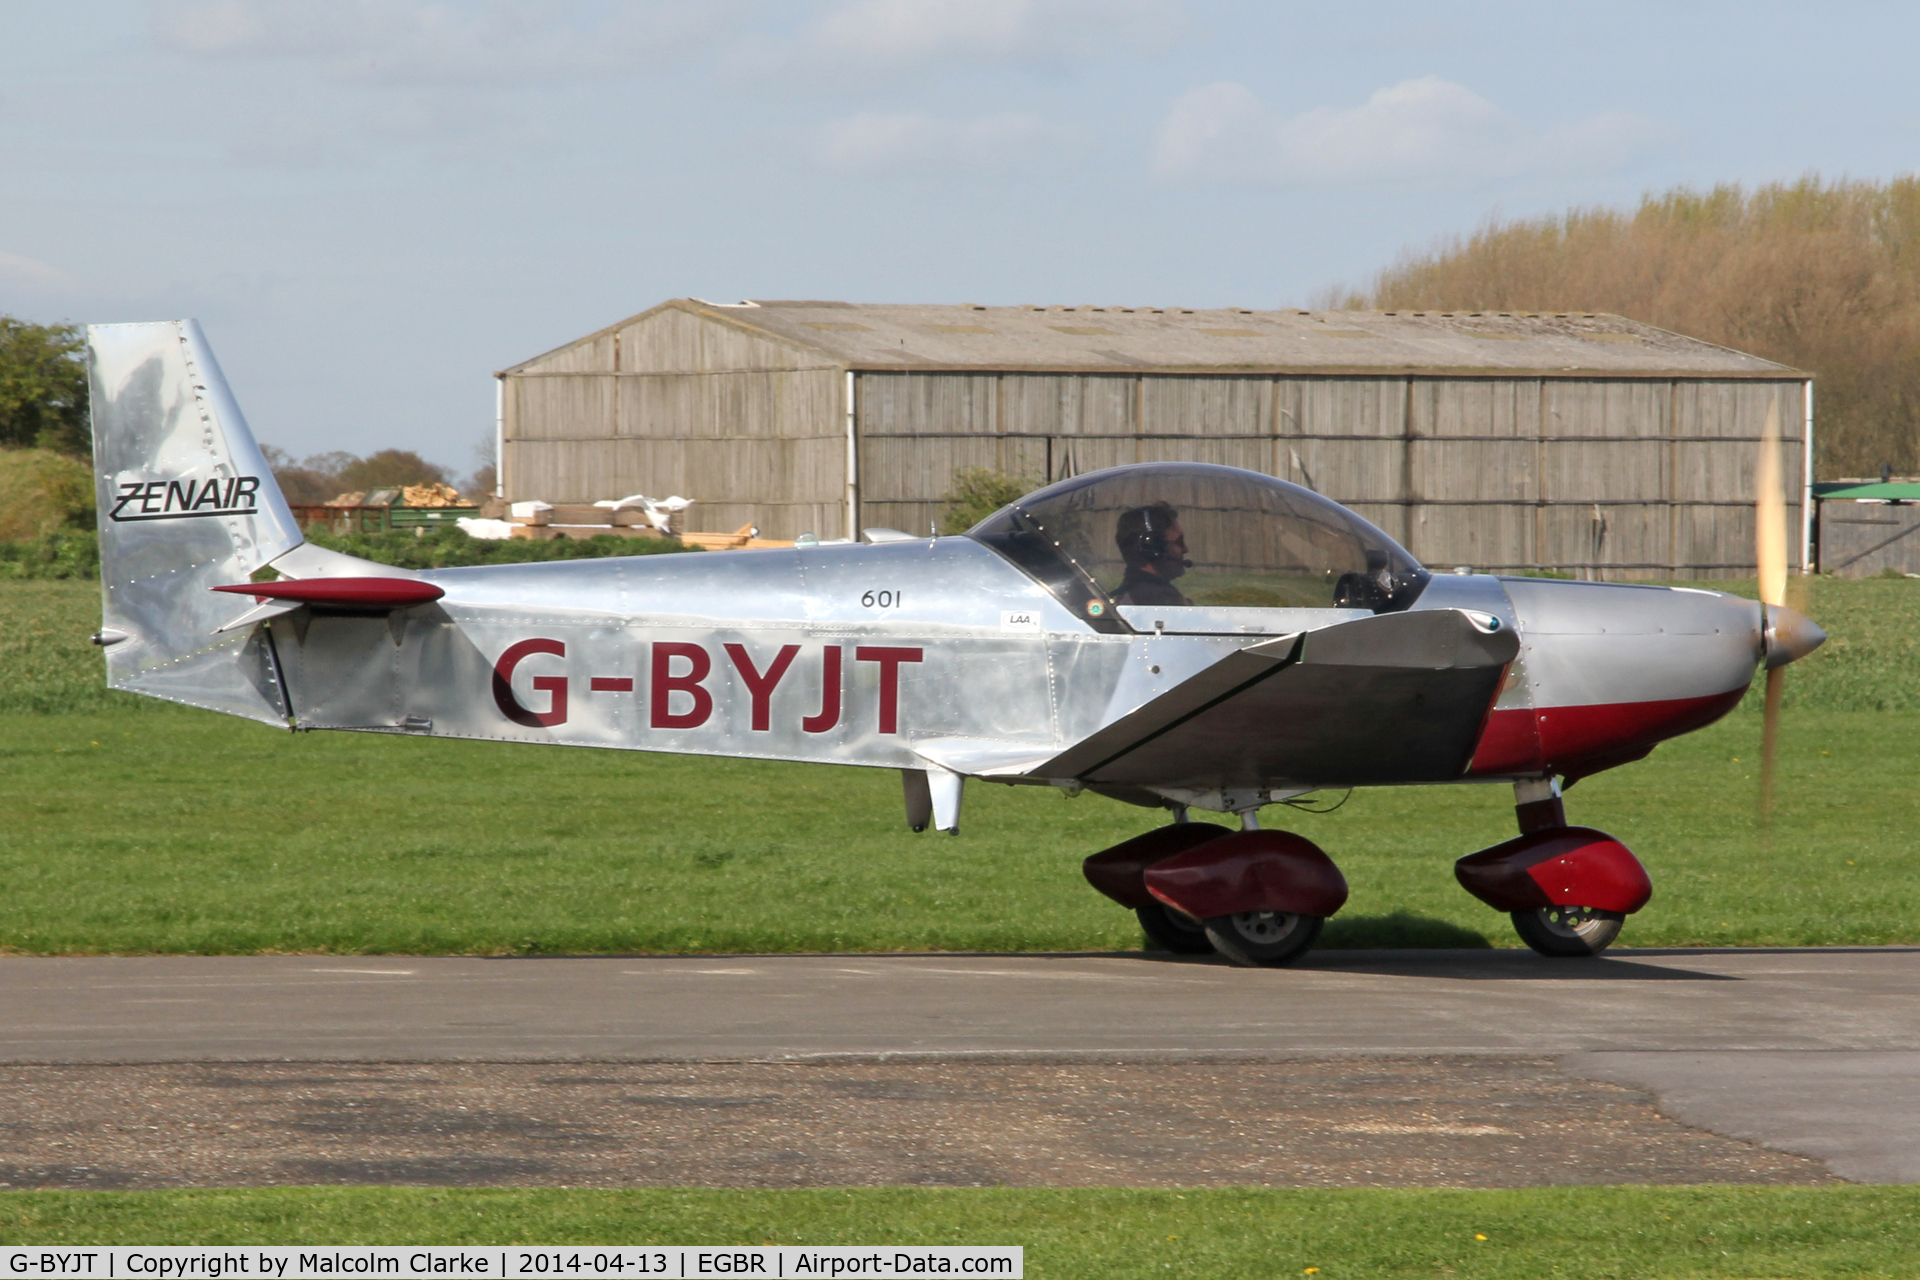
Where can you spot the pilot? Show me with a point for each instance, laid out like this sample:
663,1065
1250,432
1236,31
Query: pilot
1154,548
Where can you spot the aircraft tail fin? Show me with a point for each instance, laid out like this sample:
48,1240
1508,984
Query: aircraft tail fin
187,503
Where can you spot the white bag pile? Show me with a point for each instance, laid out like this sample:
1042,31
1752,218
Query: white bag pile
659,511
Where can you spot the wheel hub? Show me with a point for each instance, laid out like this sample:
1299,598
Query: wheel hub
1570,922
1264,927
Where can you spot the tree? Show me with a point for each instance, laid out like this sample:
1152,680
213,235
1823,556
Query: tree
486,476
43,387
43,493
324,476
480,485
307,483
977,493
1818,276
390,469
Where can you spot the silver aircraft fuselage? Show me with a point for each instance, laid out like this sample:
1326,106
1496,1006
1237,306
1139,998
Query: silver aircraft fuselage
939,651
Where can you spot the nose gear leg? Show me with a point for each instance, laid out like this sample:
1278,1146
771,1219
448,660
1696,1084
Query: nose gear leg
1537,804
1567,889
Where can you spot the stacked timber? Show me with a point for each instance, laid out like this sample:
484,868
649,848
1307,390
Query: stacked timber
744,538
634,517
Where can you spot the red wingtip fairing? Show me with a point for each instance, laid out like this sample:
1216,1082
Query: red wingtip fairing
376,593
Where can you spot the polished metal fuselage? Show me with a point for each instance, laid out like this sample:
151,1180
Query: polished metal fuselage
848,654
898,654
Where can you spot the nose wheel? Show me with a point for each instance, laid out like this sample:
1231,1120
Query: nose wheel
1567,889
1568,931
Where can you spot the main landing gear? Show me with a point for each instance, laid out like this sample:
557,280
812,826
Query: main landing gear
1255,938
1174,931
1261,897
1567,889
1256,897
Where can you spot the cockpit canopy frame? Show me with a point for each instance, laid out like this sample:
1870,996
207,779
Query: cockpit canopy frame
1193,533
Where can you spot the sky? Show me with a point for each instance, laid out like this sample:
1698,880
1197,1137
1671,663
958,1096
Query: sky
372,205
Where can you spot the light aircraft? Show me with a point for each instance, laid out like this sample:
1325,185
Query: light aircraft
1171,635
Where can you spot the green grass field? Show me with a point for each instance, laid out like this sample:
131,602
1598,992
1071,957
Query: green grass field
1588,1233
131,826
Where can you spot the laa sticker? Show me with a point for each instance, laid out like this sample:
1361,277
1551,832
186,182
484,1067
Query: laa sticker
1019,620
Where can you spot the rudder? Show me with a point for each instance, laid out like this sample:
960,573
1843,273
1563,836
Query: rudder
187,503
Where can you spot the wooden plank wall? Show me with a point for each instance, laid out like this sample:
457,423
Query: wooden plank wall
1865,539
1608,478
1615,478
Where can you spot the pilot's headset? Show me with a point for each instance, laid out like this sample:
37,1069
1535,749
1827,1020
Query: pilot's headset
1153,533
1150,543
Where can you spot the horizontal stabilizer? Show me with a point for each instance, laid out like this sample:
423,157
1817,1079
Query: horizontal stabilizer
1400,697
358,593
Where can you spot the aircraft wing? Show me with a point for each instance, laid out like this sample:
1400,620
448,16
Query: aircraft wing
1399,697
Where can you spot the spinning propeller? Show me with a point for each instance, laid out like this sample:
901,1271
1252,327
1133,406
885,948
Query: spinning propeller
1785,633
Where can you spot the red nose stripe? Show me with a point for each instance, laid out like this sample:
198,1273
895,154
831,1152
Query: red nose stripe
1560,739
388,593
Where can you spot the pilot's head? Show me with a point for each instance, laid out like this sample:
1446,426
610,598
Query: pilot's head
1150,539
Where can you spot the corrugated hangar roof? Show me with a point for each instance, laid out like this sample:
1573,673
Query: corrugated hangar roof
880,336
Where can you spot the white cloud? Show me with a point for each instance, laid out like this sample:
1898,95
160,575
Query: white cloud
877,143
927,30
426,41
32,275
254,27
1418,130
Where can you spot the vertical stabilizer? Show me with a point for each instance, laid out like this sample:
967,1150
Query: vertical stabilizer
187,503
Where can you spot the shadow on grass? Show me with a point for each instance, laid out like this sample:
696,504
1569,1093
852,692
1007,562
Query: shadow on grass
1402,929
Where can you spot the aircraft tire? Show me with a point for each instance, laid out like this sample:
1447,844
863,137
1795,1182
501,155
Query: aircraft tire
1568,931
1257,939
1168,930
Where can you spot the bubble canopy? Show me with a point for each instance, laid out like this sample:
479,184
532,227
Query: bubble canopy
1188,533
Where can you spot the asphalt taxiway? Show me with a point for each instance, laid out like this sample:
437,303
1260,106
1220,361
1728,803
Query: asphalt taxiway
1814,1052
